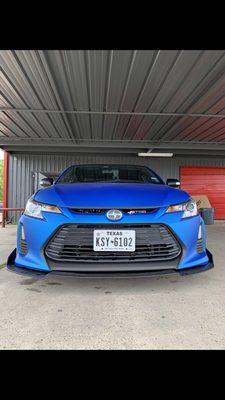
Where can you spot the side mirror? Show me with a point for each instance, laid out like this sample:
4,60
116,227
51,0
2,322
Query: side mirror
173,183
46,182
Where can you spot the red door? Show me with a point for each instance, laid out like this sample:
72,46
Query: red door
206,180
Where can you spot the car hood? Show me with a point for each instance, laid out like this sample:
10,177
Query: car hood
111,195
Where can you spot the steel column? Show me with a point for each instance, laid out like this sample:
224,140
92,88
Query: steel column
5,186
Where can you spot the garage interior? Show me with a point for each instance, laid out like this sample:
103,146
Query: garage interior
59,108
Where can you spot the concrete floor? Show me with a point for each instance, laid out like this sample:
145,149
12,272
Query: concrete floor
155,313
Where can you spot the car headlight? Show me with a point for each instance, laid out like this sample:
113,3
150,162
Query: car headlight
189,209
34,209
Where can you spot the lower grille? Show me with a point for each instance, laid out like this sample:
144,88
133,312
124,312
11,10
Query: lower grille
74,243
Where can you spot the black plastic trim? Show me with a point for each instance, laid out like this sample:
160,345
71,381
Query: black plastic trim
40,274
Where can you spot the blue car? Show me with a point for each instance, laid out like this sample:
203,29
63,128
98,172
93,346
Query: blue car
110,220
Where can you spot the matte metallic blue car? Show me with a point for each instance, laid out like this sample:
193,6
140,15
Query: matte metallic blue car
110,220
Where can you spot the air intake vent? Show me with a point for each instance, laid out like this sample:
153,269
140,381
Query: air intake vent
200,245
23,247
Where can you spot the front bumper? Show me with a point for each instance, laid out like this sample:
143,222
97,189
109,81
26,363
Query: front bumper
38,232
130,274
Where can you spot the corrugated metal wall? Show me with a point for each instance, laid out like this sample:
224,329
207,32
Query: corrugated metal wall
22,167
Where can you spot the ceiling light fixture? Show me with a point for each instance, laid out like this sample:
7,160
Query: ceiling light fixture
150,154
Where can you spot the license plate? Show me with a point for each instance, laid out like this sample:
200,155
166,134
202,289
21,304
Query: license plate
114,240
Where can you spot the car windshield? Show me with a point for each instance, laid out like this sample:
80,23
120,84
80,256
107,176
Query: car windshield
109,173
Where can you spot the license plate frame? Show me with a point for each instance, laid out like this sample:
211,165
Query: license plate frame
114,240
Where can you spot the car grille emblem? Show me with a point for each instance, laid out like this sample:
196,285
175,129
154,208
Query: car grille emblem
114,215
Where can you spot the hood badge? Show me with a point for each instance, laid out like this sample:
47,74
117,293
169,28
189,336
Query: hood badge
114,215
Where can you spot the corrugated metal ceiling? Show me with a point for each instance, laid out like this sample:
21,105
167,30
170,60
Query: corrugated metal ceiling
63,99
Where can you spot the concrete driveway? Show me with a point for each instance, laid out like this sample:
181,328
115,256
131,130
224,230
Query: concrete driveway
155,313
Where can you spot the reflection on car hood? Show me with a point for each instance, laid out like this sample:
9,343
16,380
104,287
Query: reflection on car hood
111,195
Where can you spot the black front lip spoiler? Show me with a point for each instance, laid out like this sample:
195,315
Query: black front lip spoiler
40,274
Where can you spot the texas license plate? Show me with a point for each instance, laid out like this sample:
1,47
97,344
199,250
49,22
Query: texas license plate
114,240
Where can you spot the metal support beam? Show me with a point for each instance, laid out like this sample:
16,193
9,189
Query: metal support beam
5,186
54,143
114,152
72,149
115,147
122,113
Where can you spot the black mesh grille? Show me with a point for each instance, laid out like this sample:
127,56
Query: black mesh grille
73,242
